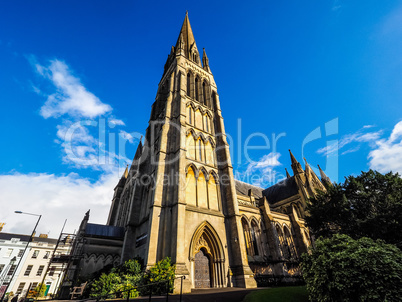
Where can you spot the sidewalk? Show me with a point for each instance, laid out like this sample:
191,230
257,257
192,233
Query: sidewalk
228,294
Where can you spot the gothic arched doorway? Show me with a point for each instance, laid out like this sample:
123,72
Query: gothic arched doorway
207,258
202,270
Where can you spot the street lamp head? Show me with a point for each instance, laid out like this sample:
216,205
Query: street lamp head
18,212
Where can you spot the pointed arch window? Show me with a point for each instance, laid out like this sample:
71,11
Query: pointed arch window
204,93
206,123
246,233
190,115
256,236
200,149
196,90
188,84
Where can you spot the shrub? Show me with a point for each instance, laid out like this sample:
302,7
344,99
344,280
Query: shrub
106,286
161,271
343,269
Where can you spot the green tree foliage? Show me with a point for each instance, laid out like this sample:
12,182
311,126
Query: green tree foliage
161,271
106,286
368,205
118,281
343,269
41,288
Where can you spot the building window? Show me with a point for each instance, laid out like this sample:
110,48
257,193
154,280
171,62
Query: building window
11,270
20,253
40,270
35,254
1,267
207,123
46,256
204,94
8,253
190,113
196,89
20,288
34,285
28,270
200,150
188,85
52,270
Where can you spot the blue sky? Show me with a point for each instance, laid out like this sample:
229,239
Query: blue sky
323,76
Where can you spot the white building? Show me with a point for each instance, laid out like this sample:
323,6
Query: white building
12,247
35,263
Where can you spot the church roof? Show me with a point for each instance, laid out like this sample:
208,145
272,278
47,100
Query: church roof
282,190
243,189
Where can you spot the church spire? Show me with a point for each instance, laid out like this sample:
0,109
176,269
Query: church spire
187,42
296,166
287,173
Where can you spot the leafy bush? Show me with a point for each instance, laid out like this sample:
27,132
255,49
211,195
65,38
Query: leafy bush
161,271
41,288
343,269
106,286
119,280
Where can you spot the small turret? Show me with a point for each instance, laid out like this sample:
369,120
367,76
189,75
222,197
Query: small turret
296,166
205,61
324,178
287,173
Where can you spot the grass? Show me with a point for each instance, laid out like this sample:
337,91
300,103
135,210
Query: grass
279,294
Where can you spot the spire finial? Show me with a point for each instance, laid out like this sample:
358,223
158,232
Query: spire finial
187,13
296,167
287,173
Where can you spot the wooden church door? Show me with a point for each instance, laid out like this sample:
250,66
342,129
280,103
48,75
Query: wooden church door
202,270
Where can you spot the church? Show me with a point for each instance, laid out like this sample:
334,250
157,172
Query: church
179,197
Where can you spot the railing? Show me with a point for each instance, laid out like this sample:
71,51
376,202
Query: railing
151,286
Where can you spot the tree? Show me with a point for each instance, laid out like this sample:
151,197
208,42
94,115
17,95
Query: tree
343,269
367,205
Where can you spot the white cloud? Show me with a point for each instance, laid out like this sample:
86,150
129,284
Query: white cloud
262,172
113,121
84,119
71,97
358,137
55,197
83,122
127,136
387,156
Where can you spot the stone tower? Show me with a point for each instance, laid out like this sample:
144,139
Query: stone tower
178,199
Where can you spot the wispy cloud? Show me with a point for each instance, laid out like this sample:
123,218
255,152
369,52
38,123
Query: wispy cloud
358,138
262,172
71,97
387,155
84,118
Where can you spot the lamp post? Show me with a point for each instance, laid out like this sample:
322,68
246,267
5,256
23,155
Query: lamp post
26,247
